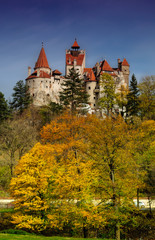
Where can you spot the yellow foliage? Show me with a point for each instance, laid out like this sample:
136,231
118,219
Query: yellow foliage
78,160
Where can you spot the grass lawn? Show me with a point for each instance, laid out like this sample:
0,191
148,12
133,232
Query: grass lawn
4,236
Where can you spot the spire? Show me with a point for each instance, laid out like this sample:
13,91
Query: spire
42,59
75,45
125,63
106,67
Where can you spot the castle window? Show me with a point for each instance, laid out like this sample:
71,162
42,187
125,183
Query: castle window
94,97
46,86
94,105
33,95
33,81
48,95
89,88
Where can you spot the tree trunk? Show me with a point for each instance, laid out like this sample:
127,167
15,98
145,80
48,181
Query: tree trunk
85,232
138,197
118,232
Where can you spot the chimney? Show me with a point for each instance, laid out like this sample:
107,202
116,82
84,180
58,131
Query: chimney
29,71
119,63
38,72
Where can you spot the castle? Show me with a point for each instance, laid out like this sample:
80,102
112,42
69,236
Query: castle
44,84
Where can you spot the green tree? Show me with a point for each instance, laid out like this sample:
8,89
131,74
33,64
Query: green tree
4,108
112,148
21,98
147,97
121,99
132,106
143,153
108,95
73,91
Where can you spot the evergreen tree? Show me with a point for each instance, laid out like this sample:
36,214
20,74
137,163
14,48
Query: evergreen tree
132,106
4,109
73,91
21,97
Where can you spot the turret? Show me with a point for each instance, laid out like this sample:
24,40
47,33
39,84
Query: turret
125,67
42,63
75,58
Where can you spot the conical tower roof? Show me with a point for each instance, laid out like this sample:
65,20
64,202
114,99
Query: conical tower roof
75,44
42,60
106,67
125,63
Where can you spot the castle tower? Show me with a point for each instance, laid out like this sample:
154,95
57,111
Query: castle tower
42,63
43,84
125,68
75,58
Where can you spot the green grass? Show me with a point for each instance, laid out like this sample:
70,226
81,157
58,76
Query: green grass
35,237
3,210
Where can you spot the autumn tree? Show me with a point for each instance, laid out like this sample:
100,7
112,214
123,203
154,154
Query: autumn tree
121,99
16,138
73,91
117,180
147,97
108,95
59,173
56,183
143,153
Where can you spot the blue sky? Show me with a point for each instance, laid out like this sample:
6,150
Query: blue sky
106,29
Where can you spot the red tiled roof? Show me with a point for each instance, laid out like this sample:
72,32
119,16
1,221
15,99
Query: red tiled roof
106,67
70,59
125,63
42,60
75,44
56,72
42,74
90,74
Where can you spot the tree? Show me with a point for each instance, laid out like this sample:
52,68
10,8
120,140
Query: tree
55,185
117,180
121,99
108,95
21,97
132,106
47,113
4,109
143,153
16,138
147,97
52,182
73,91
